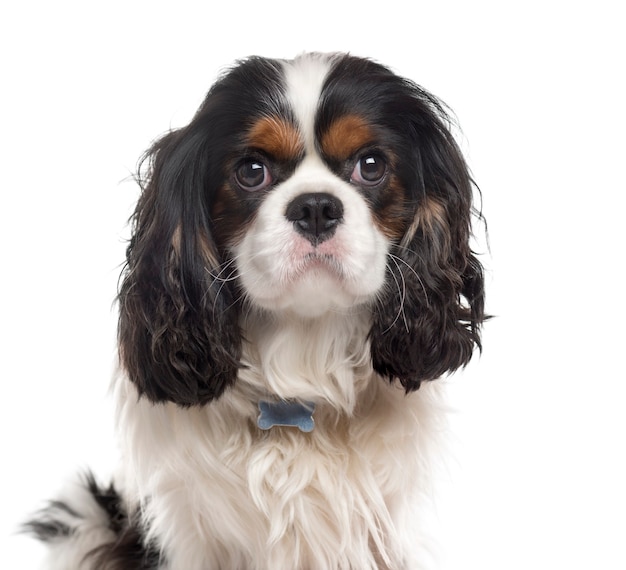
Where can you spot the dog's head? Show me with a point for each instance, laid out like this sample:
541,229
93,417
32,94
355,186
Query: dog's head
307,186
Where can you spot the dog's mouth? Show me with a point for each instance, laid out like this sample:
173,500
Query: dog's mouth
321,265
326,261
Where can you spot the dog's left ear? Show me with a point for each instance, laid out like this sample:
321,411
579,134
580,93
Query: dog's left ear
427,322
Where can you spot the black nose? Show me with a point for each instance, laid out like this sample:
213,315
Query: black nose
315,215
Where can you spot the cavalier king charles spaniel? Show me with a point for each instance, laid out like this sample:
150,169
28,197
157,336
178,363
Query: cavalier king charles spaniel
299,266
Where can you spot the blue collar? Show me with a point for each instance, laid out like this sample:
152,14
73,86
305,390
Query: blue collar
286,413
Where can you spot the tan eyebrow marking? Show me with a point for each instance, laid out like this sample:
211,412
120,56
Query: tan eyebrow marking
345,136
277,137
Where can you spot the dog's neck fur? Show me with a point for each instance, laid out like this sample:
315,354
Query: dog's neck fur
323,360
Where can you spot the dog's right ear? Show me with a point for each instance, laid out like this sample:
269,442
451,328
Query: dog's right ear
178,334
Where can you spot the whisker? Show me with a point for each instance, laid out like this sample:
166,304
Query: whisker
419,279
218,278
402,291
223,267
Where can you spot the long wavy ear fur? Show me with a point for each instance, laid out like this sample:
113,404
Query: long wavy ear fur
427,322
178,332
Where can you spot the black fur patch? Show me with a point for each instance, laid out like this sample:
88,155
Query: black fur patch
127,551
47,527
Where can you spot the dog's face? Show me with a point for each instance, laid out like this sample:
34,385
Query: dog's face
313,245
314,181
320,184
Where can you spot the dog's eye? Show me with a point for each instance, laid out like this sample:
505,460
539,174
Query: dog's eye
369,170
253,175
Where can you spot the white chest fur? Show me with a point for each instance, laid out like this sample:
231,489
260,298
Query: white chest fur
218,492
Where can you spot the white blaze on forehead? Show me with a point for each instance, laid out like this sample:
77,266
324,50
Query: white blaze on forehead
305,78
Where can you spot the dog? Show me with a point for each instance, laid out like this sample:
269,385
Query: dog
300,264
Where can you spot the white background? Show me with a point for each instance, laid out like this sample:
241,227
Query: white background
538,474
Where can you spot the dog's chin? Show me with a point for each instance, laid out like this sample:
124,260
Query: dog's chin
315,289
